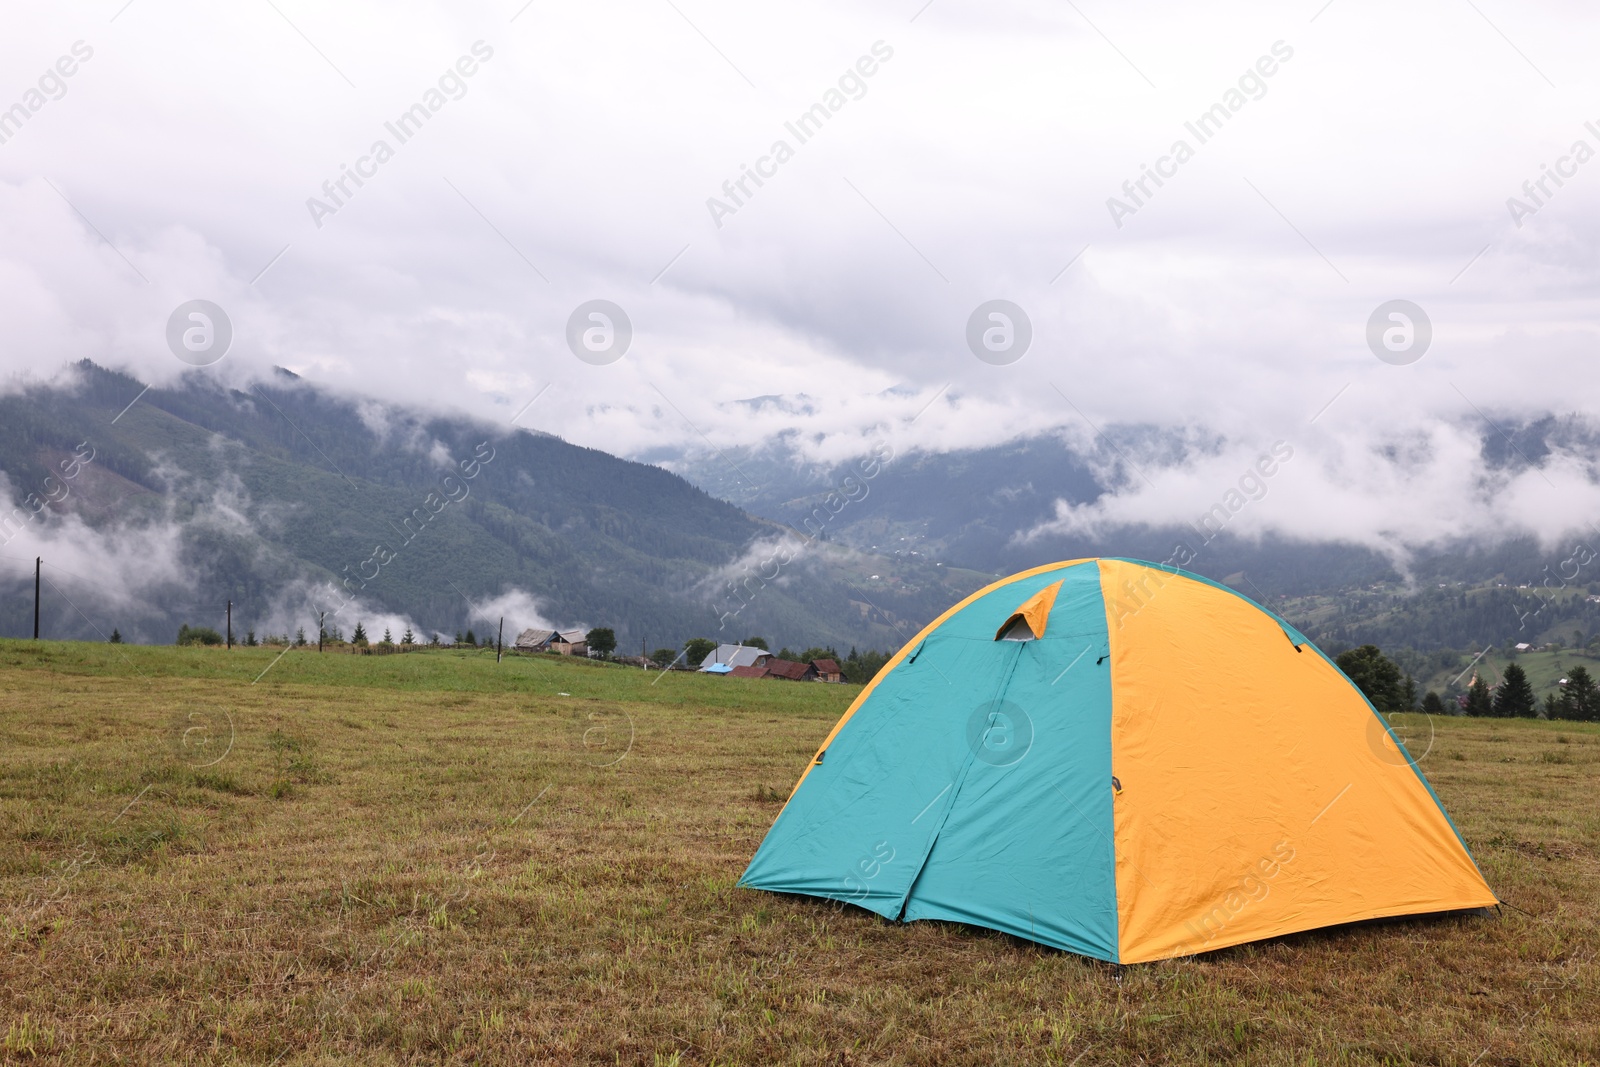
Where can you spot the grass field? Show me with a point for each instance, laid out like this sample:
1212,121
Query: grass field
433,858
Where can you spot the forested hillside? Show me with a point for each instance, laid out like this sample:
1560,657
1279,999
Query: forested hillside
289,500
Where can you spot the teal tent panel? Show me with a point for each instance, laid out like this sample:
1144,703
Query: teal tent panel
862,824
1026,845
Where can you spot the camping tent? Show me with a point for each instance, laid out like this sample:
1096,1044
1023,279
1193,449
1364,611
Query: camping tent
1122,760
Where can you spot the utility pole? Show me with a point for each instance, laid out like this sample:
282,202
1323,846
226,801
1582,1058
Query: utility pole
322,620
38,561
500,642
230,624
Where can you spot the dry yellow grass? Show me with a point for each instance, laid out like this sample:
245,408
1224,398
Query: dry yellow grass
431,859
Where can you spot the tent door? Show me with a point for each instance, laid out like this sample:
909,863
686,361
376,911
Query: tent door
943,806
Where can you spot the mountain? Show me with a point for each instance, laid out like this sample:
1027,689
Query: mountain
969,508
289,500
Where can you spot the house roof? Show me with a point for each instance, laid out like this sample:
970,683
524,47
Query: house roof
541,638
748,672
736,656
826,666
784,668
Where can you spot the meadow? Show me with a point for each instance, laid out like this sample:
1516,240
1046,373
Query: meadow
435,858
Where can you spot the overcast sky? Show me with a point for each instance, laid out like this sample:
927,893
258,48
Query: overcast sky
577,161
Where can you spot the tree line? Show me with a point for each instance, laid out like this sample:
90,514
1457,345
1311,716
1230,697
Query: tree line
601,640
1390,689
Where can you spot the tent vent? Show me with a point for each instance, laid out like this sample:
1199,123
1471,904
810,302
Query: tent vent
1028,621
1016,629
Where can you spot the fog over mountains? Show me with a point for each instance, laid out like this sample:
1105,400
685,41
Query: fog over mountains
1200,500
155,507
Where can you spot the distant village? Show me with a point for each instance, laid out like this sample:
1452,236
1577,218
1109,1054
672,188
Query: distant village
750,658
699,654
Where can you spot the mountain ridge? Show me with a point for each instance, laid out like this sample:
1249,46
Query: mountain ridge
290,500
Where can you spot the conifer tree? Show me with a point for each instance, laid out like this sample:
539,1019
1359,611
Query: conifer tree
1514,699
1478,699
1375,674
1581,698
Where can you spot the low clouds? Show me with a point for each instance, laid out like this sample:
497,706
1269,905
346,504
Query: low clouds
297,606
1408,490
521,611
97,578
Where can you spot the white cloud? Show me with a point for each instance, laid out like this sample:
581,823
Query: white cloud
109,576
298,606
521,611
1404,490
765,560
